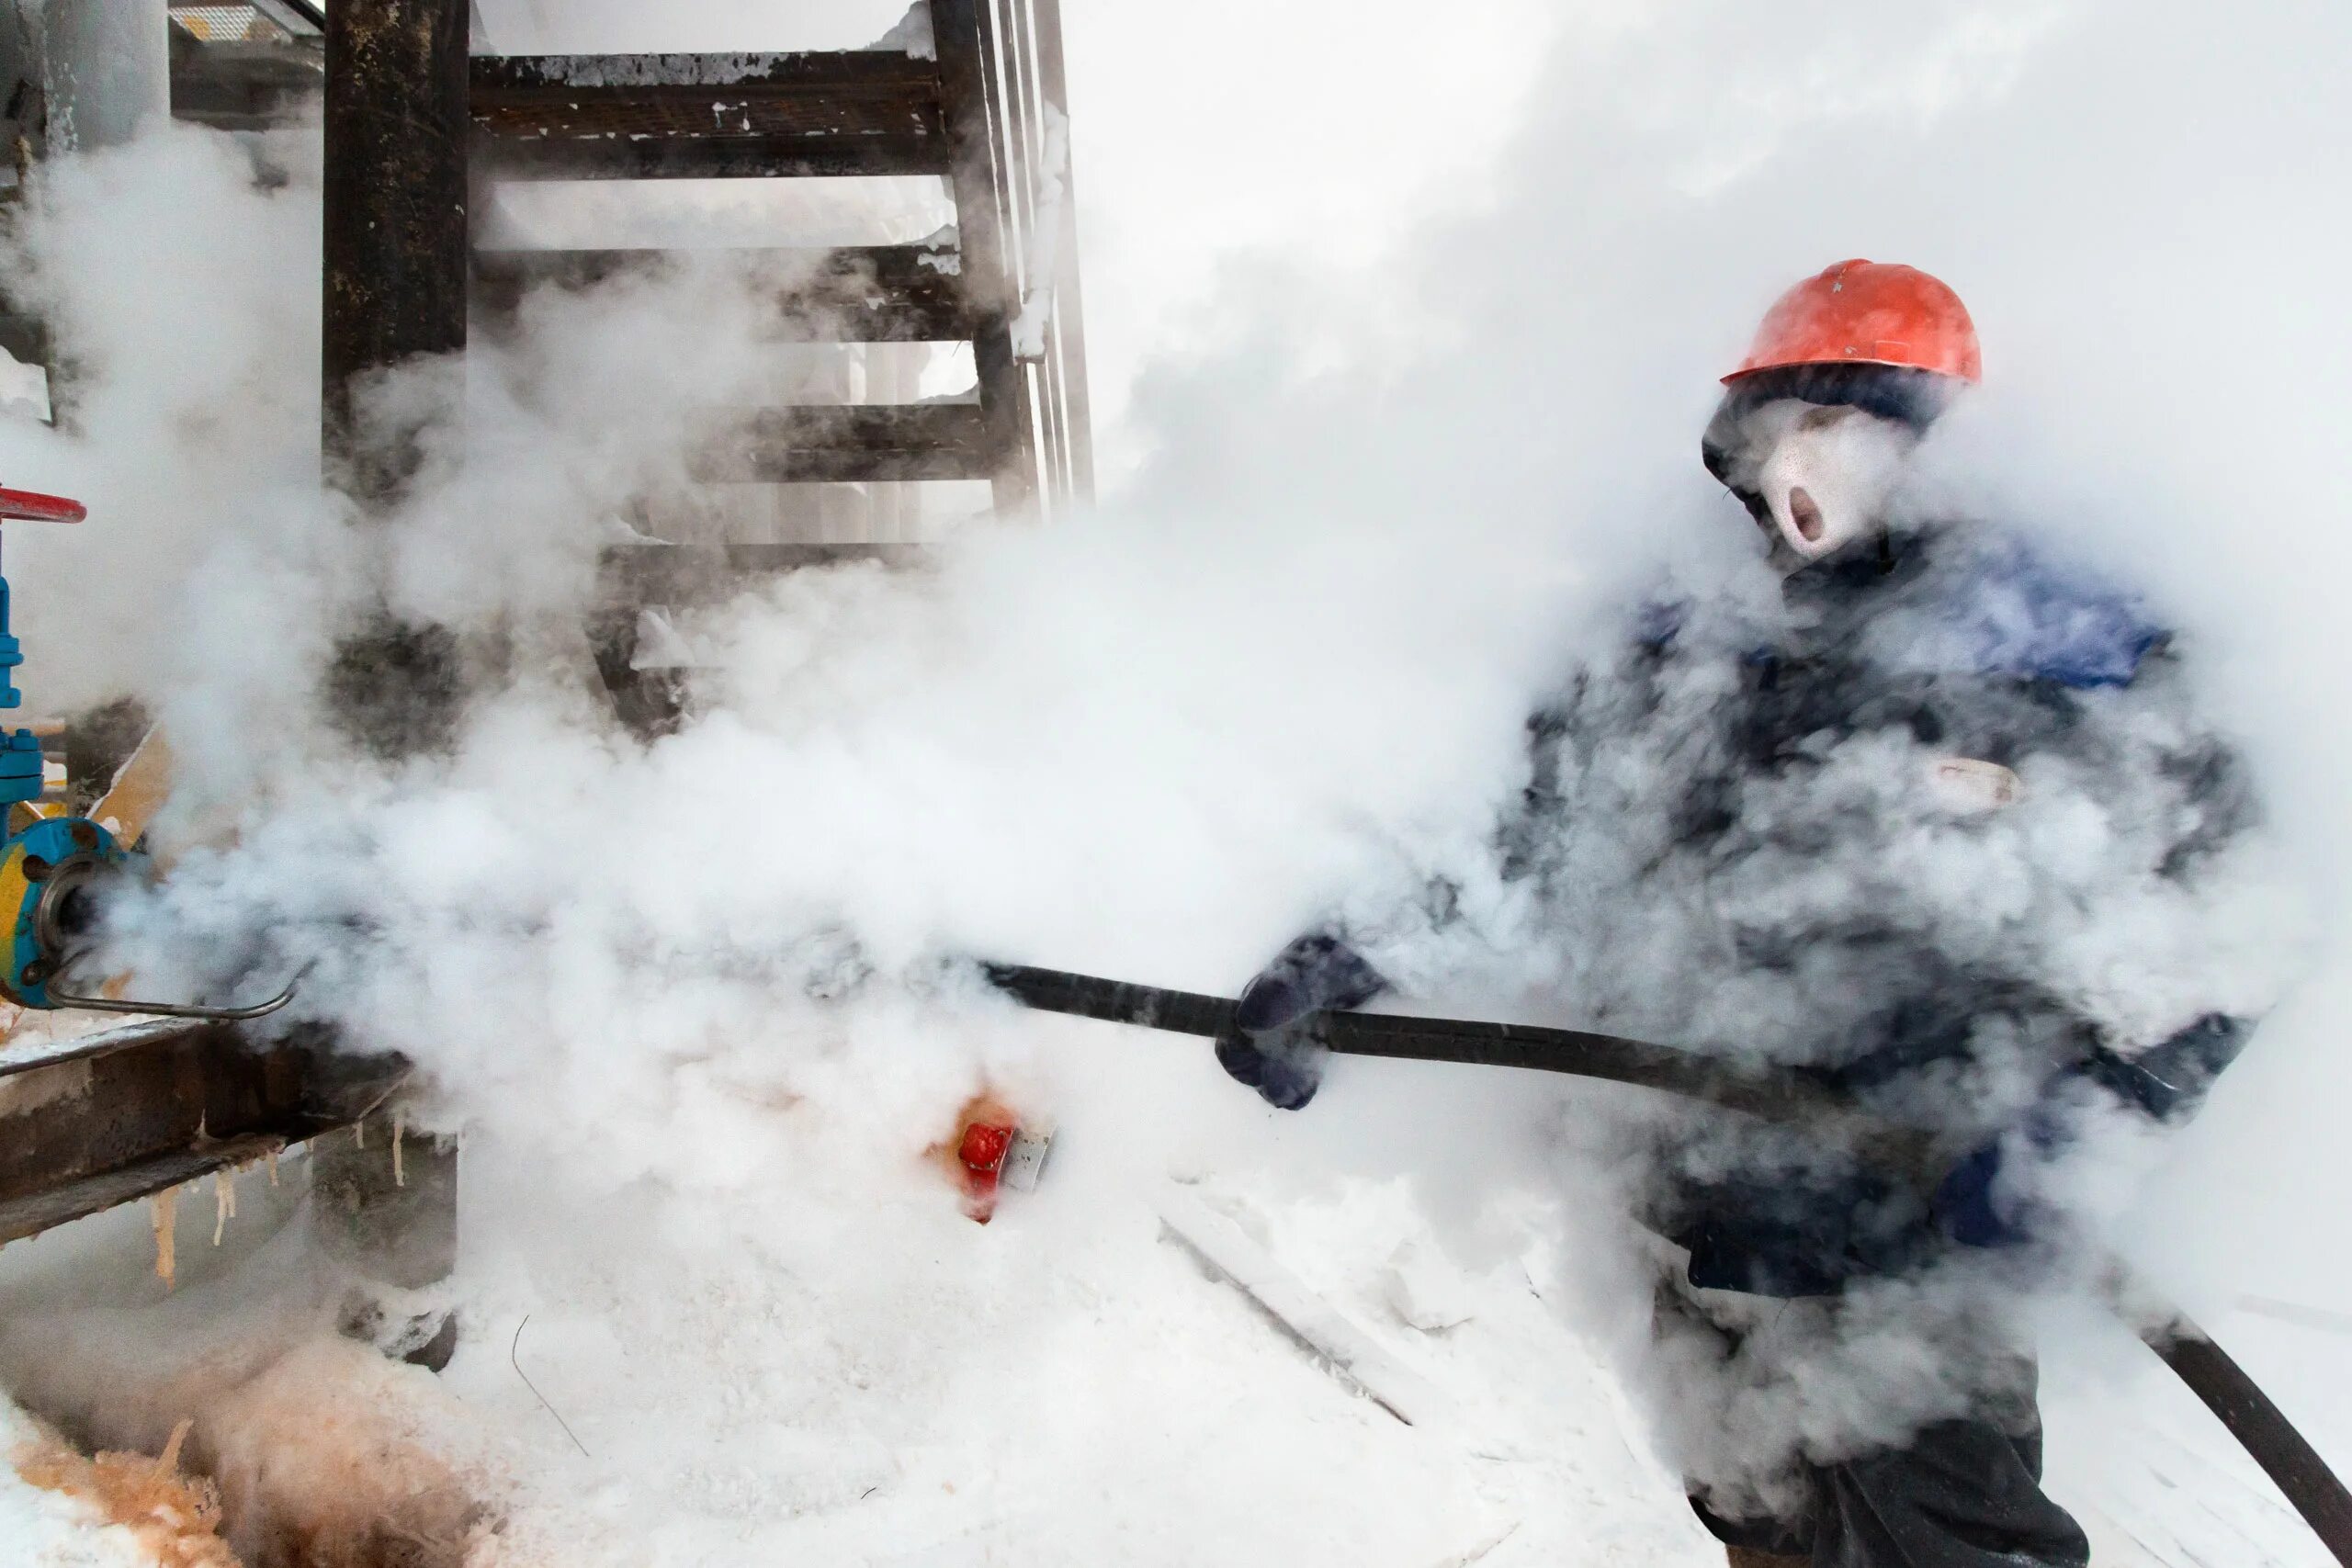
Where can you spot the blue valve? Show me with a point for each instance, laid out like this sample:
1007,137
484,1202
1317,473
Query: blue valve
20,765
49,855
54,873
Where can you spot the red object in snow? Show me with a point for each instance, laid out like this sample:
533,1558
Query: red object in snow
981,1152
32,506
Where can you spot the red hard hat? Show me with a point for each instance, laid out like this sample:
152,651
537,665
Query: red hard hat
1866,313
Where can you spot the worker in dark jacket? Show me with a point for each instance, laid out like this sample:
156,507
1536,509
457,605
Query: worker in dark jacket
1940,829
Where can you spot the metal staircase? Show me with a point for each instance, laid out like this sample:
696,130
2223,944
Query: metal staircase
92,1121
982,115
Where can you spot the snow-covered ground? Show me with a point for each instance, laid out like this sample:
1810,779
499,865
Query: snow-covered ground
653,1375
50,1527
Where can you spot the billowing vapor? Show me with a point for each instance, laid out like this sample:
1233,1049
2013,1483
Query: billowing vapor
699,1005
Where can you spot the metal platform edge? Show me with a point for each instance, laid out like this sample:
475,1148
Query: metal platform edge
100,1119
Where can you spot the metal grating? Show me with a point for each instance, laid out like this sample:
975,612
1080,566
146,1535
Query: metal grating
228,24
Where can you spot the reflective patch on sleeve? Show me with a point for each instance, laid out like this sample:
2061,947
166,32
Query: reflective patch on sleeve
1966,785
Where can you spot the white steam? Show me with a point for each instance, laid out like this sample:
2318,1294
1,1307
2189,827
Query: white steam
1283,670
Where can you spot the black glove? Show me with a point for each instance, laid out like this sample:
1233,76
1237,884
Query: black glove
1272,1045
2167,1083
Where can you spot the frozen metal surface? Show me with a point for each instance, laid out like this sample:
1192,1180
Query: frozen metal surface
23,1054
160,1104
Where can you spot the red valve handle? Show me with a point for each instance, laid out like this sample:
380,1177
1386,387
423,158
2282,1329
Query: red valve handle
31,506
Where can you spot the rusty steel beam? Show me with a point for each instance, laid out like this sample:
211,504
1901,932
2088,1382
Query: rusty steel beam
395,235
719,116
663,157
833,76
394,255
124,1113
396,247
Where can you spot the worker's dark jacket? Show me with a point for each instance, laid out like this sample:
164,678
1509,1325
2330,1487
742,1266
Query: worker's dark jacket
1899,838
1940,828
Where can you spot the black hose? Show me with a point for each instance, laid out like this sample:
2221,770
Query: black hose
2263,1431
1773,1093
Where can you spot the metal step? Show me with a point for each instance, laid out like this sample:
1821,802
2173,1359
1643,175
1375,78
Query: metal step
632,576
869,293
763,558
708,116
244,87
852,444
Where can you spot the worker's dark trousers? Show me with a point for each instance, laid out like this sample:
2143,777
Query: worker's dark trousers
1960,1495
1963,1493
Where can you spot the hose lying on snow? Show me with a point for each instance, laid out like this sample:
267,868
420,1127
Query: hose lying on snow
1775,1094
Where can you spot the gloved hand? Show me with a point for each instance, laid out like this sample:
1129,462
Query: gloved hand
2165,1083
1272,1048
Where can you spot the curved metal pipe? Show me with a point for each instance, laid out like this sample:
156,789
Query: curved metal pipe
180,1009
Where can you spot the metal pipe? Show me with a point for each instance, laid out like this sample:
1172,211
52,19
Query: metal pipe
966,53
1022,152
175,1009
1070,310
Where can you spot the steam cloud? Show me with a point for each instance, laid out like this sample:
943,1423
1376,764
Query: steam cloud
683,998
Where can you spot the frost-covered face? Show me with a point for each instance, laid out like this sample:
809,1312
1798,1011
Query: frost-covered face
1826,474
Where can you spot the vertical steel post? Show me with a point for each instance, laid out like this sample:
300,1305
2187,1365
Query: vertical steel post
395,257
395,223
109,70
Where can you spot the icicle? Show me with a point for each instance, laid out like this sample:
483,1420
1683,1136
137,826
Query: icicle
224,1202
166,1204
168,1460
400,1125
360,1133
272,1157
